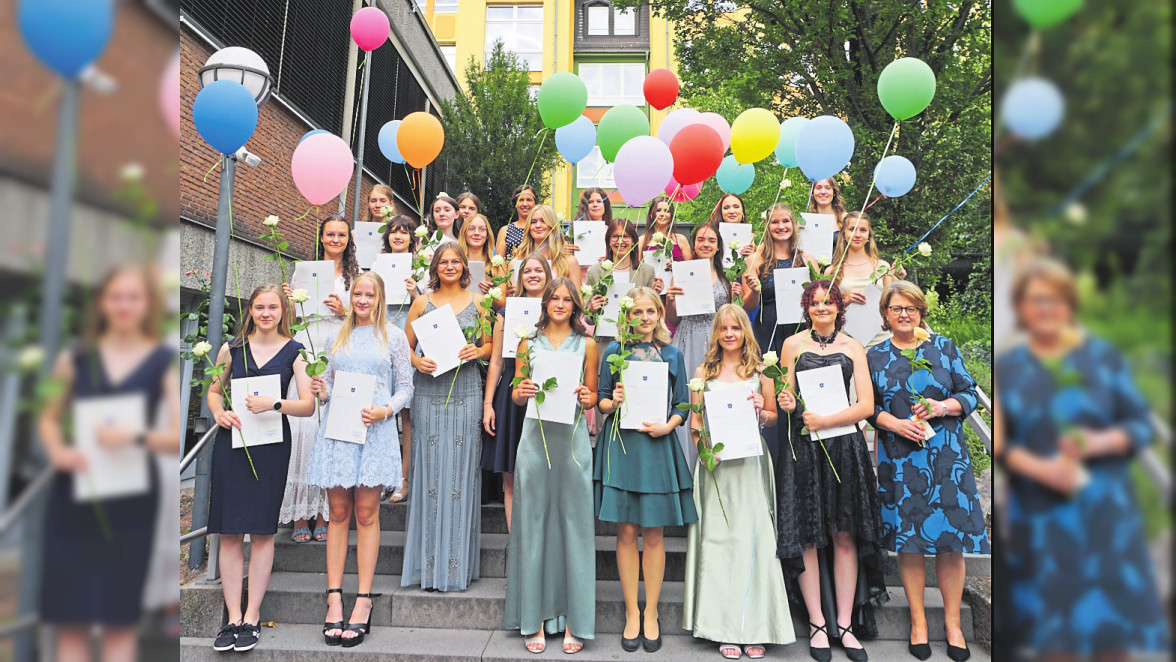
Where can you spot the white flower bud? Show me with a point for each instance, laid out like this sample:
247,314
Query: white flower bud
770,359
924,249
201,348
270,221
697,384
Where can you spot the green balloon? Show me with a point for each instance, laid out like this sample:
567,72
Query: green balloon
562,98
1043,14
618,125
906,87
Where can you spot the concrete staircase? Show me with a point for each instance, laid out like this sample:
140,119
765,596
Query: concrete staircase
411,624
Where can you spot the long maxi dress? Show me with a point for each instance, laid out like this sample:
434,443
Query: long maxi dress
551,561
770,337
691,337
734,586
445,485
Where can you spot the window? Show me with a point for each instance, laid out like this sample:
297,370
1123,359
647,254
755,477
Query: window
593,170
533,91
450,53
444,6
520,29
611,83
624,22
598,20
603,20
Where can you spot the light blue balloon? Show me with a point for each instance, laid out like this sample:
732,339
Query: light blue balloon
786,148
734,177
894,176
225,114
387,142
576,140
824,146
312,133
1032,108
67,35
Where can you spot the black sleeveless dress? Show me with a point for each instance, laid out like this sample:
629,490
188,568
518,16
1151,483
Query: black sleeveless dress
239,502
771,339
91,573
814,505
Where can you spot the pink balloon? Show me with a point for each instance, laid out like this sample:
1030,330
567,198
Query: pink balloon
370,28
642,168
674,122
169,94
679,193
322,167
720,125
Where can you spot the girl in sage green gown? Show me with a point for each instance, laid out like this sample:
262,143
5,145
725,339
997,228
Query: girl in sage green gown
734,585
551,562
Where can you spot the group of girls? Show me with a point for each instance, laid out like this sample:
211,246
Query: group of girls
806,523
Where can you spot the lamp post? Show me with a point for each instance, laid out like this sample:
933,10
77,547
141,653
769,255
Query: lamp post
243,66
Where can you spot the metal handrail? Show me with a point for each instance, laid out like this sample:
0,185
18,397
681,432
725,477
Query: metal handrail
191,456
18,626
39,485
193,535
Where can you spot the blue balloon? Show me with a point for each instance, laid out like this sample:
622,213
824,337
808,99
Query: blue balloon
786,148
225,114
312,133
894,176
1032,108
67,35
387,141
824,147
734,177
576,140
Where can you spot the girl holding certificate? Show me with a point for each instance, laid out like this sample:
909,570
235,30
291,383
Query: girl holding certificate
642,480
551,566
829,516
475,243
502,419
661,219
693,331
622,253
730,210
594,206
247,482
354,474
445,218
734,588
96,553
779,251
511,235
399,237
856,263
826,199
444,523
543,238
302,504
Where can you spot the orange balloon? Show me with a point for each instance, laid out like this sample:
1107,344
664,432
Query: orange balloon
420,138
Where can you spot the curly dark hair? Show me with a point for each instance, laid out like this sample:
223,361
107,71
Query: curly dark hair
834,297
350,262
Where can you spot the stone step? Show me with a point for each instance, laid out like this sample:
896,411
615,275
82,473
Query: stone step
311,557
298,598
304,643
394,517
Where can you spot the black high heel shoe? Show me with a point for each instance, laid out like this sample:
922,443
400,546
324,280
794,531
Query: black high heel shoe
824,653
337,625
361,629
955,652
652,645
919,651
631,645
854,654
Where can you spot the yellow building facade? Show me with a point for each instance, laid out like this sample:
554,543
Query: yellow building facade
612,50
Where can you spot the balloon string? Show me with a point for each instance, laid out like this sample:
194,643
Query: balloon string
858,220
544,131
214,165
937,223
880,196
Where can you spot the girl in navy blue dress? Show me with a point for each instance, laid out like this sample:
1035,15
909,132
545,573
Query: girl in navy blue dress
1068,422
241,502
96,553
927,487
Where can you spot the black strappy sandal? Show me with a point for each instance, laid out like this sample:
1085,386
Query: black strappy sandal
823,654
854,654
337,625
361,629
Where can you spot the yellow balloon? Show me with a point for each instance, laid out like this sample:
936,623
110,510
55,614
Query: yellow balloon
754,135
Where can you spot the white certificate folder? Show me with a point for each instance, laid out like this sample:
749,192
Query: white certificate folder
647,388
111,473
351,393
824,393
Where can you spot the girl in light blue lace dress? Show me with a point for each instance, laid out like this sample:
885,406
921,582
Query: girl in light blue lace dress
354,474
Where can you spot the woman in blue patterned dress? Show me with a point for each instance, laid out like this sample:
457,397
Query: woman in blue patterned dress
926,485
354,474
444,527
1068,422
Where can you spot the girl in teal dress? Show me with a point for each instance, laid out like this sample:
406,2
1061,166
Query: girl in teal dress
551,564
642,480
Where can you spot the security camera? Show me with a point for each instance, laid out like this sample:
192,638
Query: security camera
248,157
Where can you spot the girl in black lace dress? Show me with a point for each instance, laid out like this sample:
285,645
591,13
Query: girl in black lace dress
829,516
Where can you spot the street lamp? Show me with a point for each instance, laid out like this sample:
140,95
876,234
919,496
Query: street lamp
243,66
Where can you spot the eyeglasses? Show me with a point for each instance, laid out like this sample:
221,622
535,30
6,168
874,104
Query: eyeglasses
617,238
898,310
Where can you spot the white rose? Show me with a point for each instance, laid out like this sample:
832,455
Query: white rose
697,384
131,172
734,245
785,184
299,296
627,303
421,232
270,221
201,348
427,254
924,249
30,358
771,359
823,261
496,293
522,332
387,212
658,237
1076,213
497,261
585,291
607,265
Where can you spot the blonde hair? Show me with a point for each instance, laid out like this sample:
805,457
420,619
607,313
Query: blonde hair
1051,272
555,244
661,333
523,264
767,250
908,290
712,361
386,190
96,324
487,248
379,314
841,251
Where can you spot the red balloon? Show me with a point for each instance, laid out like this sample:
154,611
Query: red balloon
698,152
679,193
661,88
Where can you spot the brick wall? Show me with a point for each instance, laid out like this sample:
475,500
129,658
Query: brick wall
260,191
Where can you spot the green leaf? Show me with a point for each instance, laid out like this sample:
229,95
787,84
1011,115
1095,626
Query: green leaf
718,448
549,384
540,397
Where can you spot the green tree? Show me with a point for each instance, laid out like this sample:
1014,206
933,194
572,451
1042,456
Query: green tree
493,139
814,57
